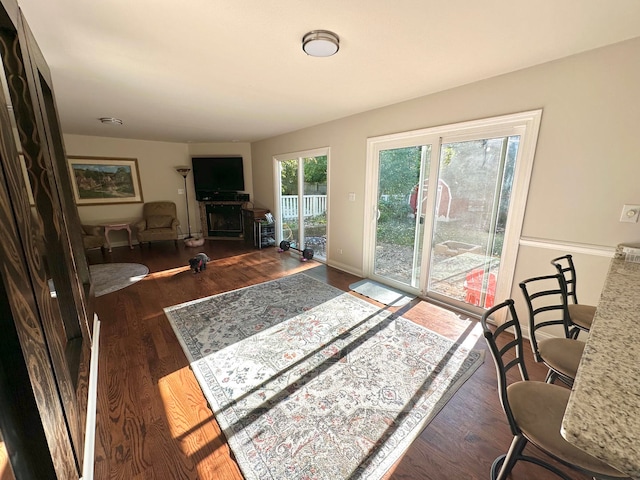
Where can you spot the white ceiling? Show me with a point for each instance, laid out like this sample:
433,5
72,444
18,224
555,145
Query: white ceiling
234,70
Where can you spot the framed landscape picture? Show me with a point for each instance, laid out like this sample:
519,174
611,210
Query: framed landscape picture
100,181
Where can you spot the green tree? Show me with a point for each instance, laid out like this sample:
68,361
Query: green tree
399,170
315,171
289,177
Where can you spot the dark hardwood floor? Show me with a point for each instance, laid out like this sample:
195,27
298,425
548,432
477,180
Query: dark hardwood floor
153,421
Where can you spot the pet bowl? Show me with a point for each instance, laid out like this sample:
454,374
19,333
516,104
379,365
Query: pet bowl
194,242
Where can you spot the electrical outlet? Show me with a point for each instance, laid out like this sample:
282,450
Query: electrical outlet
339,251
181,191
630,213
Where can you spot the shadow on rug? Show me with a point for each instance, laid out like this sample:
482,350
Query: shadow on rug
307,381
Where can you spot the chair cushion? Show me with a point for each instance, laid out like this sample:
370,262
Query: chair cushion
159,208
157,234
92,236
92,241
93,230
562,354
159,221
582,315
538,409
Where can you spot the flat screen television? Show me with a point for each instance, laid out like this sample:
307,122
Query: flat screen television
217,174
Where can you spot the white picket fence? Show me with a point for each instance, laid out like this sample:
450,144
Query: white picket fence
312,205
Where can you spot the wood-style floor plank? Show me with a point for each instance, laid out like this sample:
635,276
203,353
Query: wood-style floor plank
153,421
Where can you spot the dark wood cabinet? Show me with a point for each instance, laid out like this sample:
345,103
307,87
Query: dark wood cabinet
46,340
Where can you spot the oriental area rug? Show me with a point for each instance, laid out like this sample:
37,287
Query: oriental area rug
110,277
310,382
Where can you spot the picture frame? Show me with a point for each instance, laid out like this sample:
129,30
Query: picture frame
105,181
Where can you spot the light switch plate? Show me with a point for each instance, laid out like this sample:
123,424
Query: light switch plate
630,213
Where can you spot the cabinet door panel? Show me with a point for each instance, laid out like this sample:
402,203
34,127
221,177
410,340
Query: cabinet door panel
41,253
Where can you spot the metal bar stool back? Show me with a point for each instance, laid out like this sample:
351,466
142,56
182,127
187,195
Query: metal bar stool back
580,315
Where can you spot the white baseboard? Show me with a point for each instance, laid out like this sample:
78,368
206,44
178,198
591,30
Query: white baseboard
92,405
345,268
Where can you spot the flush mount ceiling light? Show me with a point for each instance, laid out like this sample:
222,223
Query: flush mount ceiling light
111,120
320,43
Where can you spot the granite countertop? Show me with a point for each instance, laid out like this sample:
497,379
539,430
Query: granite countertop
603,414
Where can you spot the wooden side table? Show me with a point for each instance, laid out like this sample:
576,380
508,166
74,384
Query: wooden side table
116,226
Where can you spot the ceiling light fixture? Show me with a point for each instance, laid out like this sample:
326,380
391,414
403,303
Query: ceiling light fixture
111,120
320,43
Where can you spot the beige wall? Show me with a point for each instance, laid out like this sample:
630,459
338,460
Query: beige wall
156,162
586,166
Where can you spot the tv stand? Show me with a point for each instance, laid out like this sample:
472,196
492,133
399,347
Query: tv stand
222,197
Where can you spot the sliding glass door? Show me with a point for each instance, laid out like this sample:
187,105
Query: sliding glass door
399,235
467,237
447,208
302,203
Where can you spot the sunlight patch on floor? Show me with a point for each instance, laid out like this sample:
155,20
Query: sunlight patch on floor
177,411
5,468
165,273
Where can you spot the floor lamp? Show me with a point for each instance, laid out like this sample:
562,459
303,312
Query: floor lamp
184,171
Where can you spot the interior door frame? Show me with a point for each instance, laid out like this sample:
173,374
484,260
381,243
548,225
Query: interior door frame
525,124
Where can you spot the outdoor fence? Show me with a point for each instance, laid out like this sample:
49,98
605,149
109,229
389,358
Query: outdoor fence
312,205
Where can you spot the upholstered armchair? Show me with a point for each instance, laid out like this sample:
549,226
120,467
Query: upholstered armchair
159,223
92,237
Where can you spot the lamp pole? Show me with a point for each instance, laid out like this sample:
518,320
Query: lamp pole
184,171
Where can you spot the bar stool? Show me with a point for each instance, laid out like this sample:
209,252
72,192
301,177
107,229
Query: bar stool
581,316
546,298
534,410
